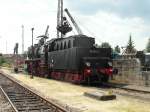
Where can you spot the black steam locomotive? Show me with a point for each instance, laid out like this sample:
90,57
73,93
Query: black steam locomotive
74,58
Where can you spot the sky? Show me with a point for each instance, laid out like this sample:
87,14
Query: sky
107,20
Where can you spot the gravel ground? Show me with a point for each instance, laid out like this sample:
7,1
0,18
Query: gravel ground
4,104
72,96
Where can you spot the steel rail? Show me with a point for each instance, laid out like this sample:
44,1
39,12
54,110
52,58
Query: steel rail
49,103
7,98
111,85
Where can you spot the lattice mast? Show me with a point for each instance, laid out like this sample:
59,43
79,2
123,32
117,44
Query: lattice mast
59,17
63,26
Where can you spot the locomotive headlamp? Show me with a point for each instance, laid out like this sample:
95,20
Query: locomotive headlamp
88,64
110,63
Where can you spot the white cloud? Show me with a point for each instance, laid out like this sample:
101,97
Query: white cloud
116,30
32,13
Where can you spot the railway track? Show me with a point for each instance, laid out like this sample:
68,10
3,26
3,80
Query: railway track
125,91
122,86
4,104
24,100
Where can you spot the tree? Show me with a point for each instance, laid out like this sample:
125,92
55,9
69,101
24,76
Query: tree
130,47
148,46
117,49
105,45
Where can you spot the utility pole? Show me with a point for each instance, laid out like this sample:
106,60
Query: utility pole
6,46
32,43
0,43
32,53
22,39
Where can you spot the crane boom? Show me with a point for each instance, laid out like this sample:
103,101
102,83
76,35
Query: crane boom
74,22
46,32
44,37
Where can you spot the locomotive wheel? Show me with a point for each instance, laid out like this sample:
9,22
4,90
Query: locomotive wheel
88,81
105,78
16,70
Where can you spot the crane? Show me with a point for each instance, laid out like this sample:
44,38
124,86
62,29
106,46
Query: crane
74,22
44,37
63,25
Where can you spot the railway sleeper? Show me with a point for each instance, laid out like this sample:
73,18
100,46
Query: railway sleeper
32,108
13,93
20,95
14,96
23,98
30,104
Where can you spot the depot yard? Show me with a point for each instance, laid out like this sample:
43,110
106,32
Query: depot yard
72,96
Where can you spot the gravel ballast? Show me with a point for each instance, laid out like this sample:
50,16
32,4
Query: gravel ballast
4,104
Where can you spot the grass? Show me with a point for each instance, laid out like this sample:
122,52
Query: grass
4,62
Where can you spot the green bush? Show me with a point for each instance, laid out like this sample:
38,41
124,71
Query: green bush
4,62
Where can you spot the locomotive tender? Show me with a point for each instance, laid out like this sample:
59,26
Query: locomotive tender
76,59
